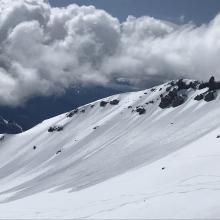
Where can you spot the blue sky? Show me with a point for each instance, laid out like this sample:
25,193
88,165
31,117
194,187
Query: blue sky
198,11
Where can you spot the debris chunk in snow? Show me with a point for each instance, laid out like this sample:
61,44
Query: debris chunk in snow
103,103
58,152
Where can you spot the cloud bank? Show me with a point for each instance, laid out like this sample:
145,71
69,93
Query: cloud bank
46,50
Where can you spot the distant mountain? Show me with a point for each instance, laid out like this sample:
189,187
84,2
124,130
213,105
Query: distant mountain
9,127
151,154
41,108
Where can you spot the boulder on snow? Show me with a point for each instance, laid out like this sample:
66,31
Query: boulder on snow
58,152
103,103
51,129
140,110
210,96
70,114
59,128
114,102
95,127
199,97
55,128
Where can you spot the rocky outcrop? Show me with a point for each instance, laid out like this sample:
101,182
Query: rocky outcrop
168,99
211,84
165,102
178,100
182,85
176,96
114,102
9,127
210,96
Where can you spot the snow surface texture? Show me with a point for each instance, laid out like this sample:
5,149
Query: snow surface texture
110,162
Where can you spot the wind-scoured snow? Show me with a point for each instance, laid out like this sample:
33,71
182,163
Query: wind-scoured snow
111,162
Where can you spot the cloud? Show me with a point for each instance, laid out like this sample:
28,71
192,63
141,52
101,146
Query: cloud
46,50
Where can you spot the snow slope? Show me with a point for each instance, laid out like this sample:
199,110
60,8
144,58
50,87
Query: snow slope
111,162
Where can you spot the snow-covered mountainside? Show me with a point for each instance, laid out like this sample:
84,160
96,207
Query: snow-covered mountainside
148,154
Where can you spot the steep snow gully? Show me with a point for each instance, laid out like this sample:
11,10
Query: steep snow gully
147,154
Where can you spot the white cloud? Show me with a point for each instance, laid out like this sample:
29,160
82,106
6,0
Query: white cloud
45,50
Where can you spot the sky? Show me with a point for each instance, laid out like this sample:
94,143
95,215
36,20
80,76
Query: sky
46,49
198,11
